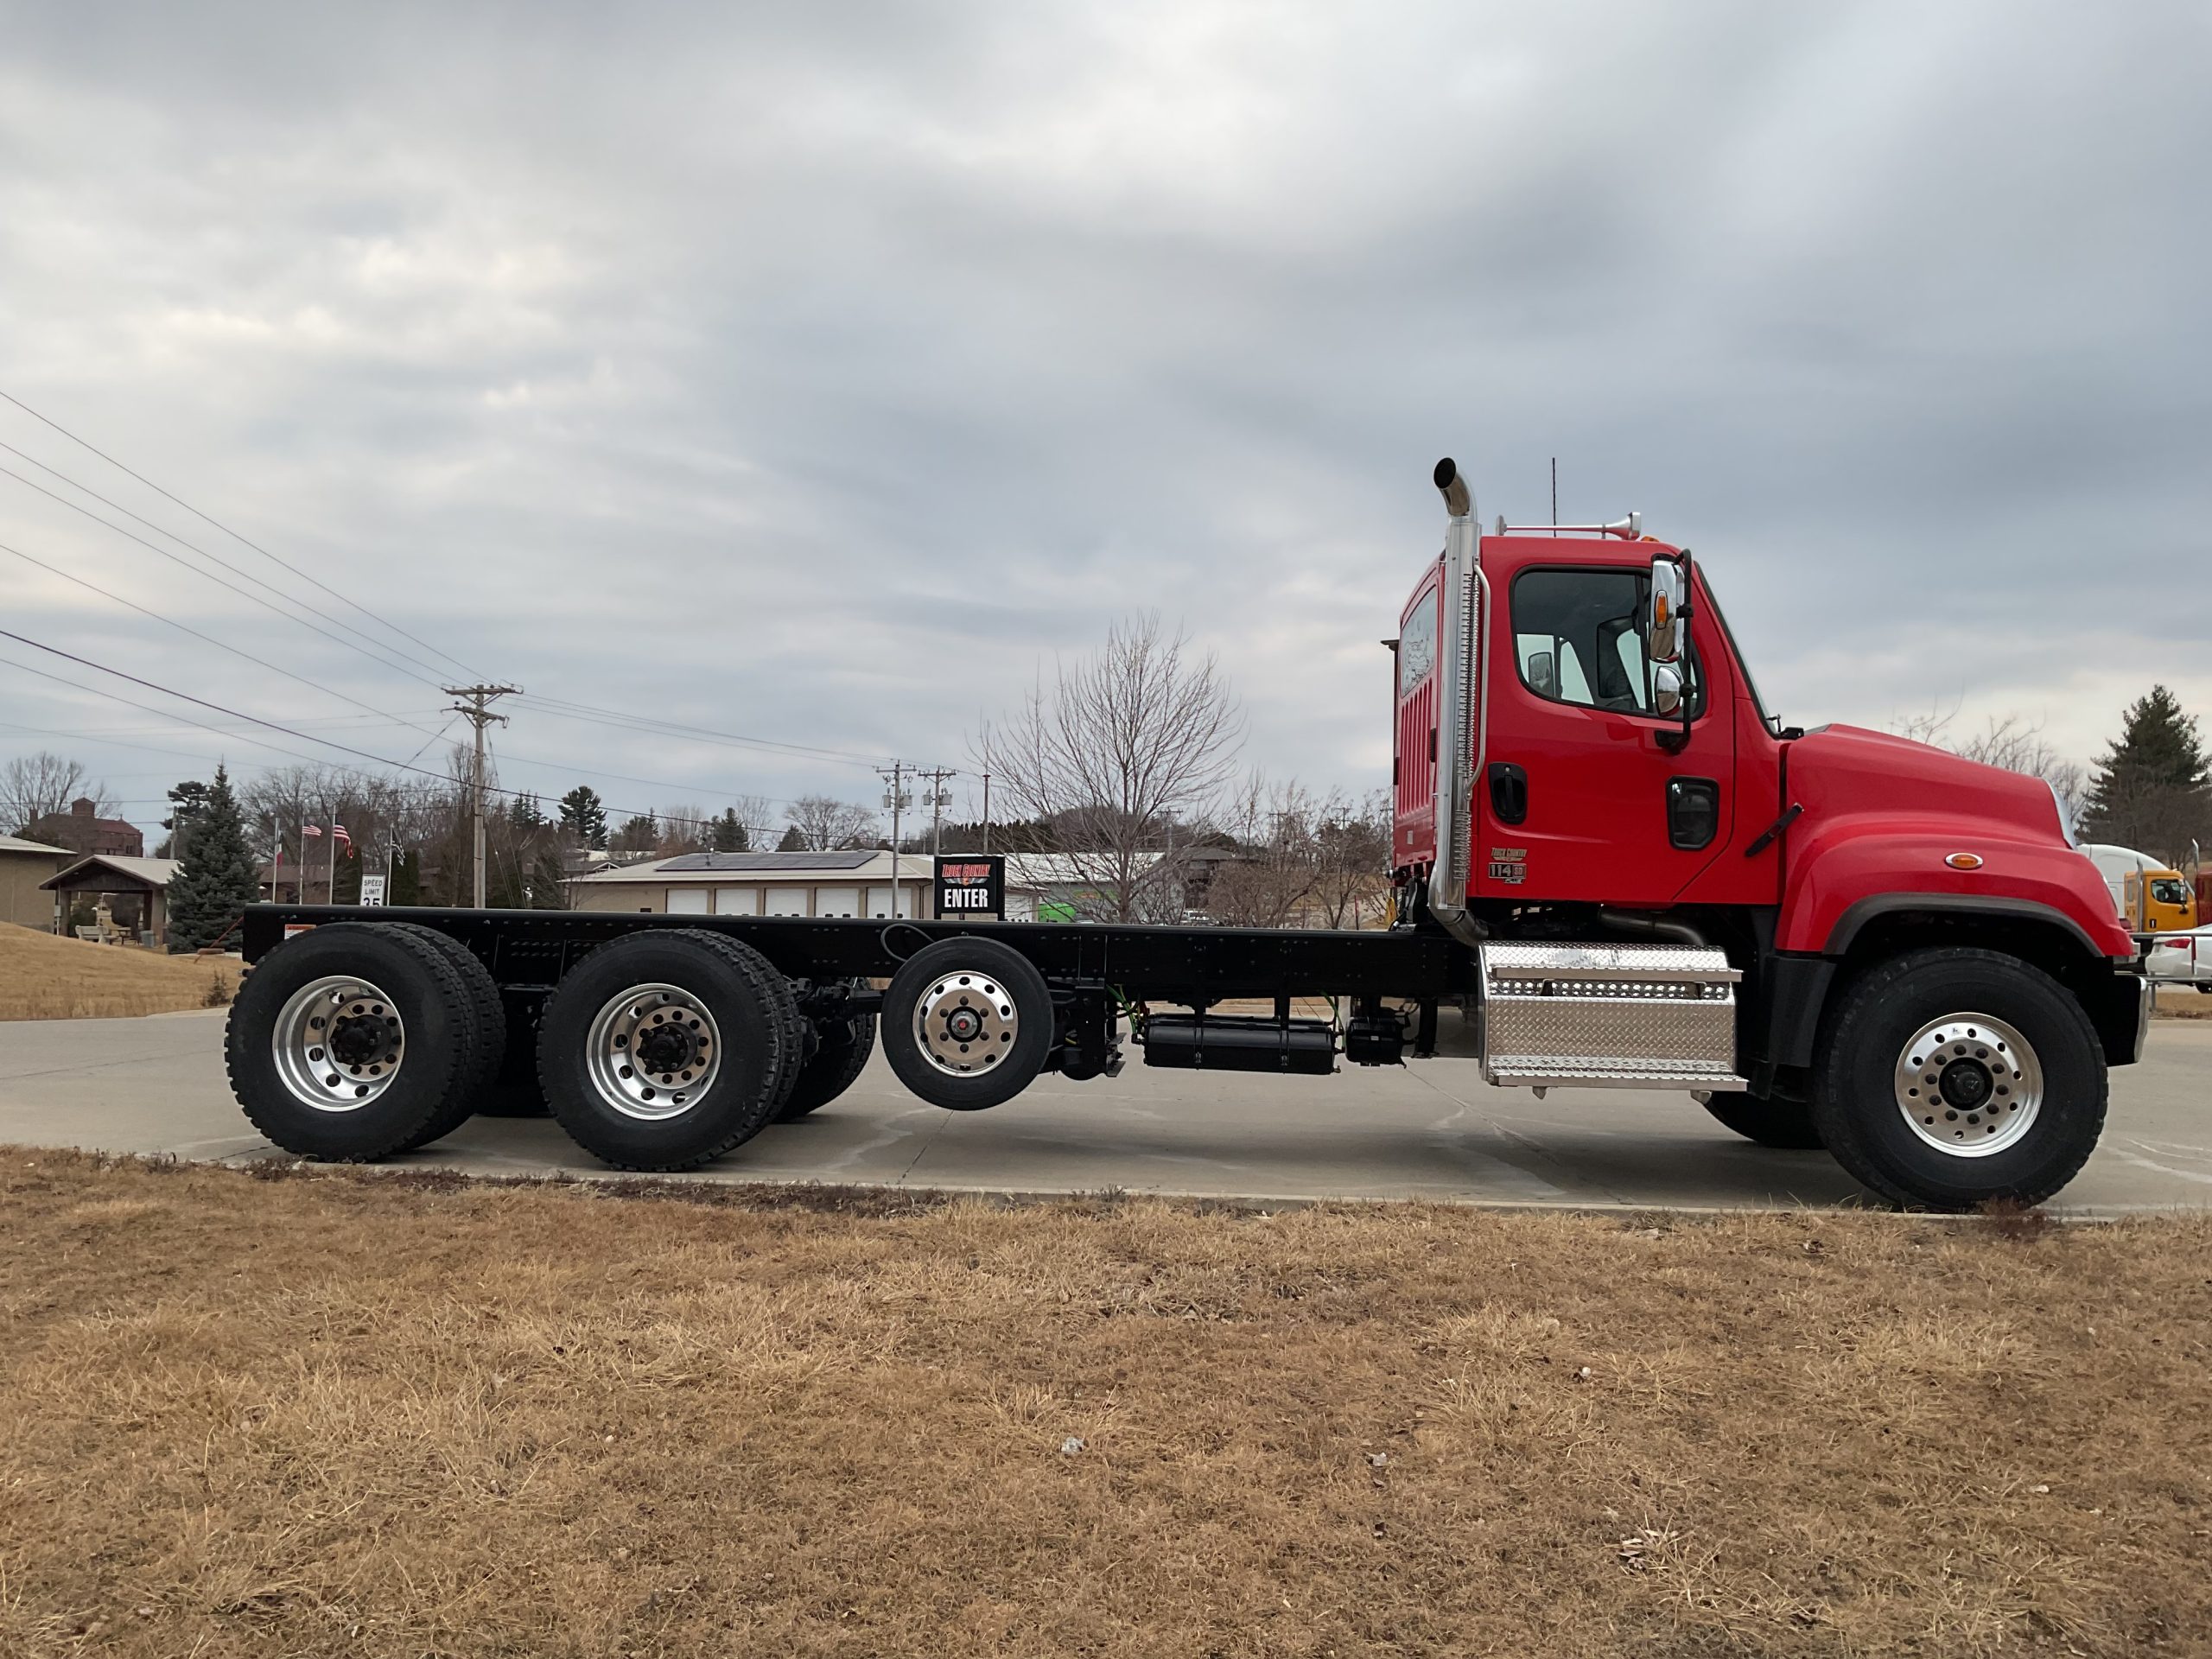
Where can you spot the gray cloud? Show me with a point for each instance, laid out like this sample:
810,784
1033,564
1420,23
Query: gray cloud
818,372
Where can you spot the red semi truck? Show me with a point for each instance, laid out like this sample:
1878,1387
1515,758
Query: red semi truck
1607,854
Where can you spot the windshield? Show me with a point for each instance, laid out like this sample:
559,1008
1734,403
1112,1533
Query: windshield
1743,665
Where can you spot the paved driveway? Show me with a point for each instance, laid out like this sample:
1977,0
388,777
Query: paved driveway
1429,1130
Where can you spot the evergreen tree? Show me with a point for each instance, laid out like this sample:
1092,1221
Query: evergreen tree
218,879
584,815
406,879
548,890
523,814
726,833
638,835
793,841
2150,788
187,801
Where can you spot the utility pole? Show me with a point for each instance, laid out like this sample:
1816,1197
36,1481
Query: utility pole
896,798
476,706
987,812
939,798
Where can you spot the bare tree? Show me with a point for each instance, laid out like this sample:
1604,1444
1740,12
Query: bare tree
684,828
1353,844
828,825
1125,748
36,786
1272,872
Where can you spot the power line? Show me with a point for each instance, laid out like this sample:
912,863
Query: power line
232,534
182,627
561,709
270,725
658,727
213,558
243,593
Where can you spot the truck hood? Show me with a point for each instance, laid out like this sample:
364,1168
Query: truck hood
1883,816
1907,781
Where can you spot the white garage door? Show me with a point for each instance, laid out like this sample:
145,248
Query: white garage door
737,901
786,902
878,901
688,901
836,901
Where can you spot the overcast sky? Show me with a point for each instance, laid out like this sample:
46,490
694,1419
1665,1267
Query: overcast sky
816,372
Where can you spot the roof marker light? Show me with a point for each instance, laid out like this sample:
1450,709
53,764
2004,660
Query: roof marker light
1964,860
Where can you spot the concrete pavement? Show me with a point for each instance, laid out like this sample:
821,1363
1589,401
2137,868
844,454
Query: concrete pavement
1429,1130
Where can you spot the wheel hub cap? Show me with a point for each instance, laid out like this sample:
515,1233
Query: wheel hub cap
338,1043
1968,1085
654,1051
965,1024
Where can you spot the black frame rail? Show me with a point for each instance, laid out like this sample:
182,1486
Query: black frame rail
531,949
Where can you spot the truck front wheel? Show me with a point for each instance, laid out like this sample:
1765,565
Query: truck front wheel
1950,1077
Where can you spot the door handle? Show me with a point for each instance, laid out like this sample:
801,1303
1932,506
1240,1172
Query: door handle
1509,793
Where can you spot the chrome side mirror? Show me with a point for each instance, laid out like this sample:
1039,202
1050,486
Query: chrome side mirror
1662,631
1666,690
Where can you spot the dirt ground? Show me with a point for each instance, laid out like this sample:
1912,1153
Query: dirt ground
46,977
340,1412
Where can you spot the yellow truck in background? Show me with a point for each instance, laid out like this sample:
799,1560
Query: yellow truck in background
2156,901
2149,897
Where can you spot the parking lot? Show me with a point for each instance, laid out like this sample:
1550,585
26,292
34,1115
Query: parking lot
1429,1130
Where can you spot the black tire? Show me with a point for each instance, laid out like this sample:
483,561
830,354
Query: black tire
488,1013
1859,1077
755,1063
1785,1125
1022,1016
439,1035
839,1056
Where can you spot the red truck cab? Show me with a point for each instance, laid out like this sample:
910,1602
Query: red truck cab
1604,769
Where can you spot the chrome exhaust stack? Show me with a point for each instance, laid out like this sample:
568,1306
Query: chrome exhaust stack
1459,707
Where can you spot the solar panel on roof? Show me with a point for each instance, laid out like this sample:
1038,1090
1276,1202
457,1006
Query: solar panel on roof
765,861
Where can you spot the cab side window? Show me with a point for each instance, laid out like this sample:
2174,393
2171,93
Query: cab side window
1578,637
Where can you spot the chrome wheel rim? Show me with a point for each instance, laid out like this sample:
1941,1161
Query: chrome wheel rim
1968,1085
338,1043
965,1023
654,1051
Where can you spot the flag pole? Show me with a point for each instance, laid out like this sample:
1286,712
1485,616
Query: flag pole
330,881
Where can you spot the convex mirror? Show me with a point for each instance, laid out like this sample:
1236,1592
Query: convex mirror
1663,631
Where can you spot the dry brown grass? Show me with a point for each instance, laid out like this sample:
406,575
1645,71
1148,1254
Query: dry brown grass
2180,1002
348,1415
46,977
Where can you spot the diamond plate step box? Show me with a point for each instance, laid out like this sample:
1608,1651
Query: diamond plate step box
1617,1016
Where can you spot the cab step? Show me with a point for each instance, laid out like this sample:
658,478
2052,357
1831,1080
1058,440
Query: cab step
1618,1016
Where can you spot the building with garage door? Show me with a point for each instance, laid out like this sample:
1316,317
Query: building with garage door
760,884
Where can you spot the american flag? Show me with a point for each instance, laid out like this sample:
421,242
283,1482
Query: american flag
315,829
337,834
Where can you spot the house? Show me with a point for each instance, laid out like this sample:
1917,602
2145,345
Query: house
759,884
84,832
24,867
136,891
